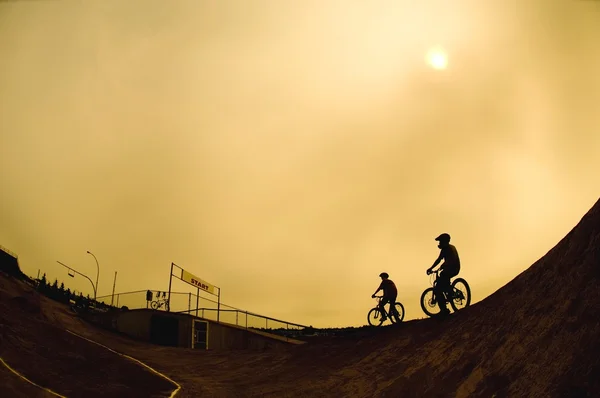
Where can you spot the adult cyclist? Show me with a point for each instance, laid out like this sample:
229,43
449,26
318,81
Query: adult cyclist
449,269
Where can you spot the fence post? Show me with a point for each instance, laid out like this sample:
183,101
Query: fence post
170,279
218,304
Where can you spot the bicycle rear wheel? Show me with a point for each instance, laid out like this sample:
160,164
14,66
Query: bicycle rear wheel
461,294
399,313
154,305
374,317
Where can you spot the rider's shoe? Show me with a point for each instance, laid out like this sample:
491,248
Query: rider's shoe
444,311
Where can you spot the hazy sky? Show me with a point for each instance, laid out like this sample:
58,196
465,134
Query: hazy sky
290,151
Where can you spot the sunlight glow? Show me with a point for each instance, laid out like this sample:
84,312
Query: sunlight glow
437,58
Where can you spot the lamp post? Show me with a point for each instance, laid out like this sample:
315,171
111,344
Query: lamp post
77,272
97,272
113,294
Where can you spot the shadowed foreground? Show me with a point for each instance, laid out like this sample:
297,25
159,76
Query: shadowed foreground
537,336
36,346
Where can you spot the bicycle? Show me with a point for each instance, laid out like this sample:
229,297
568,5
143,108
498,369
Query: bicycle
156,304
459,296
374,316
78,306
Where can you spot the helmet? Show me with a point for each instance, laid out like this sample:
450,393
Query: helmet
443,238
384,275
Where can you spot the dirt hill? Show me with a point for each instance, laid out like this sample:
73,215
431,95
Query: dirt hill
539,336
38,347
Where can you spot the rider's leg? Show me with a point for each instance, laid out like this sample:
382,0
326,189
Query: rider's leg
442,285
382,304
393,311
450,273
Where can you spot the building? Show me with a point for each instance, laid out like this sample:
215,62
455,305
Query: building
187,331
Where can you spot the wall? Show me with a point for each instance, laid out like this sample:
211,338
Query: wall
224,336
185,331
137,324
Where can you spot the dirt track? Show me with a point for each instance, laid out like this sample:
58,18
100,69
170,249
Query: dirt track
33,345
537,337
14,386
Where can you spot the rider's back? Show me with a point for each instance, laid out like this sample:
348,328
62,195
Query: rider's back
451,258
389,288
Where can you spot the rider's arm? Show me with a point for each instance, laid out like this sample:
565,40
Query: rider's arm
437,261
378,289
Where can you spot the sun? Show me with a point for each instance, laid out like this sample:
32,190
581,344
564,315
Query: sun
437,58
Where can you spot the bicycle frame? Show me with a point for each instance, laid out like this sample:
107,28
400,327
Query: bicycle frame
385,312
457,294
376,315
157,304
162,302
450,292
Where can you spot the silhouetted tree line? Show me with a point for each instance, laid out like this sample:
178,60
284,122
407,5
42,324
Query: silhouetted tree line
310,331
59,293
293,333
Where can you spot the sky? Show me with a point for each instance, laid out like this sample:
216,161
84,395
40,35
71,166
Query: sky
288,152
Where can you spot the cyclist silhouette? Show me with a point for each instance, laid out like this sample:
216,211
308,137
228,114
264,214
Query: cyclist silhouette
390,293
449,269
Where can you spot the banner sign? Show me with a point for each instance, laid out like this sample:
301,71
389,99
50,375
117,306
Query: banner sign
197,282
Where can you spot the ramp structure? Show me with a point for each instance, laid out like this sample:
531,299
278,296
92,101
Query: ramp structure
186,331
9,263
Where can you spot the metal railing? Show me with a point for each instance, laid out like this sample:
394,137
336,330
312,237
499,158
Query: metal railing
11,253
245,319
136,299
185,303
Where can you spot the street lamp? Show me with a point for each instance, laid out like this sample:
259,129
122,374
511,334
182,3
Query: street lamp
79,273
98,270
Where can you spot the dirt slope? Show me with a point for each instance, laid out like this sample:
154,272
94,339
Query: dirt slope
539,336
32,344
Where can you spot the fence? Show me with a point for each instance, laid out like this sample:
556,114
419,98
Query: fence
137,299
190,303
13,254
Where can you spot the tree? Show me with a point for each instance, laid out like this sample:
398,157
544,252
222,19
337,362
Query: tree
43,286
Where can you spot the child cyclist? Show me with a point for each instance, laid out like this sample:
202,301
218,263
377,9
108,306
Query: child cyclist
390,293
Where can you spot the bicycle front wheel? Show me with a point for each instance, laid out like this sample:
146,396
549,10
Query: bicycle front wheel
374,317
428,303
154,305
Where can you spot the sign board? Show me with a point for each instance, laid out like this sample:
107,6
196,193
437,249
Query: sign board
197,282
